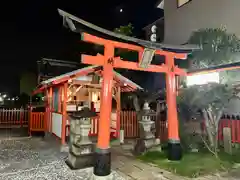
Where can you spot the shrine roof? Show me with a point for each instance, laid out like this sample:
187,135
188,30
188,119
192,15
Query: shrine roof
223,67
125,84
78,25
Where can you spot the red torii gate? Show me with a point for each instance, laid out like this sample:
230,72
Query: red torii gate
146,50
108,61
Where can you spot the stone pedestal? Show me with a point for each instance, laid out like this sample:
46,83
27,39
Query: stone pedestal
94,177
147,139
227,140
81,147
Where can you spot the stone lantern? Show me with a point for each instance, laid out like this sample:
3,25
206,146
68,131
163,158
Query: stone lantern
147,139
81,147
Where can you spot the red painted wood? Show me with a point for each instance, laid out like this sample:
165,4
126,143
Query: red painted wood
234,125
13,117
37,121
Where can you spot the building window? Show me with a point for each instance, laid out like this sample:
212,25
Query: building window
55,99
182,2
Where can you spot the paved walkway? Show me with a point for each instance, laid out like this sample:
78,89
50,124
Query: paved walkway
137,170
124,162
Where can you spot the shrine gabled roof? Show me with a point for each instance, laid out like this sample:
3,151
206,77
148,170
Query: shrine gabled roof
66,76
78,25
125,84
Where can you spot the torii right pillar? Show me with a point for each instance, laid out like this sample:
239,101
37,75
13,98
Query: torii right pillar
174,146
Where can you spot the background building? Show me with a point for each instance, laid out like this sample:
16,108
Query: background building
28,81
182,17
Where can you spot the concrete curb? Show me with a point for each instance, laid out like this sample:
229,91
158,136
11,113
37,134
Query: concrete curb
15,138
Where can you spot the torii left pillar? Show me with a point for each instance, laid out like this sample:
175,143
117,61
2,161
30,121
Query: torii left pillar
102,167
174,146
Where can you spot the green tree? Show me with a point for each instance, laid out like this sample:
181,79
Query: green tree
217,47
125,30
126,54
24,99
205,102
28,81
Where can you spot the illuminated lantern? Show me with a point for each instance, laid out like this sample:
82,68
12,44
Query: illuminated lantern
153,36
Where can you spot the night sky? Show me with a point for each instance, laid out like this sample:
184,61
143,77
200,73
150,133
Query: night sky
33,29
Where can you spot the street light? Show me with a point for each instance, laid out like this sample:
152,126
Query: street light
200,79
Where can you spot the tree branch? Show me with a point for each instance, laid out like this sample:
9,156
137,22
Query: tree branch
208,147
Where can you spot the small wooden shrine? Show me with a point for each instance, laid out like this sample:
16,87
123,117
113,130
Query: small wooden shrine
72,91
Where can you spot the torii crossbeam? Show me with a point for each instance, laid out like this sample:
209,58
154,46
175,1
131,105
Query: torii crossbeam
146,50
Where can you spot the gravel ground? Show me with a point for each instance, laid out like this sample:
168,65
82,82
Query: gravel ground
37,159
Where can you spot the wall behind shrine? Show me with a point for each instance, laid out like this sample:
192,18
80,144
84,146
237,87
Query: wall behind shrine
180,22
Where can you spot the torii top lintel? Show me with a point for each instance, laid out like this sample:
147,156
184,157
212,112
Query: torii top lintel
117,62
111,40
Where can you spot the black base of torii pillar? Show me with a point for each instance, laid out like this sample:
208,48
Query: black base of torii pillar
174,145
174,151
102,166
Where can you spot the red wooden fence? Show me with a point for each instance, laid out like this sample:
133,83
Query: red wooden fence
234,124
14,117
37,122
128,122
94,129
130,125
163,131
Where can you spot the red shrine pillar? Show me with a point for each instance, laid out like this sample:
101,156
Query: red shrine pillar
50,109
46,116
64,113
174,146
102,166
